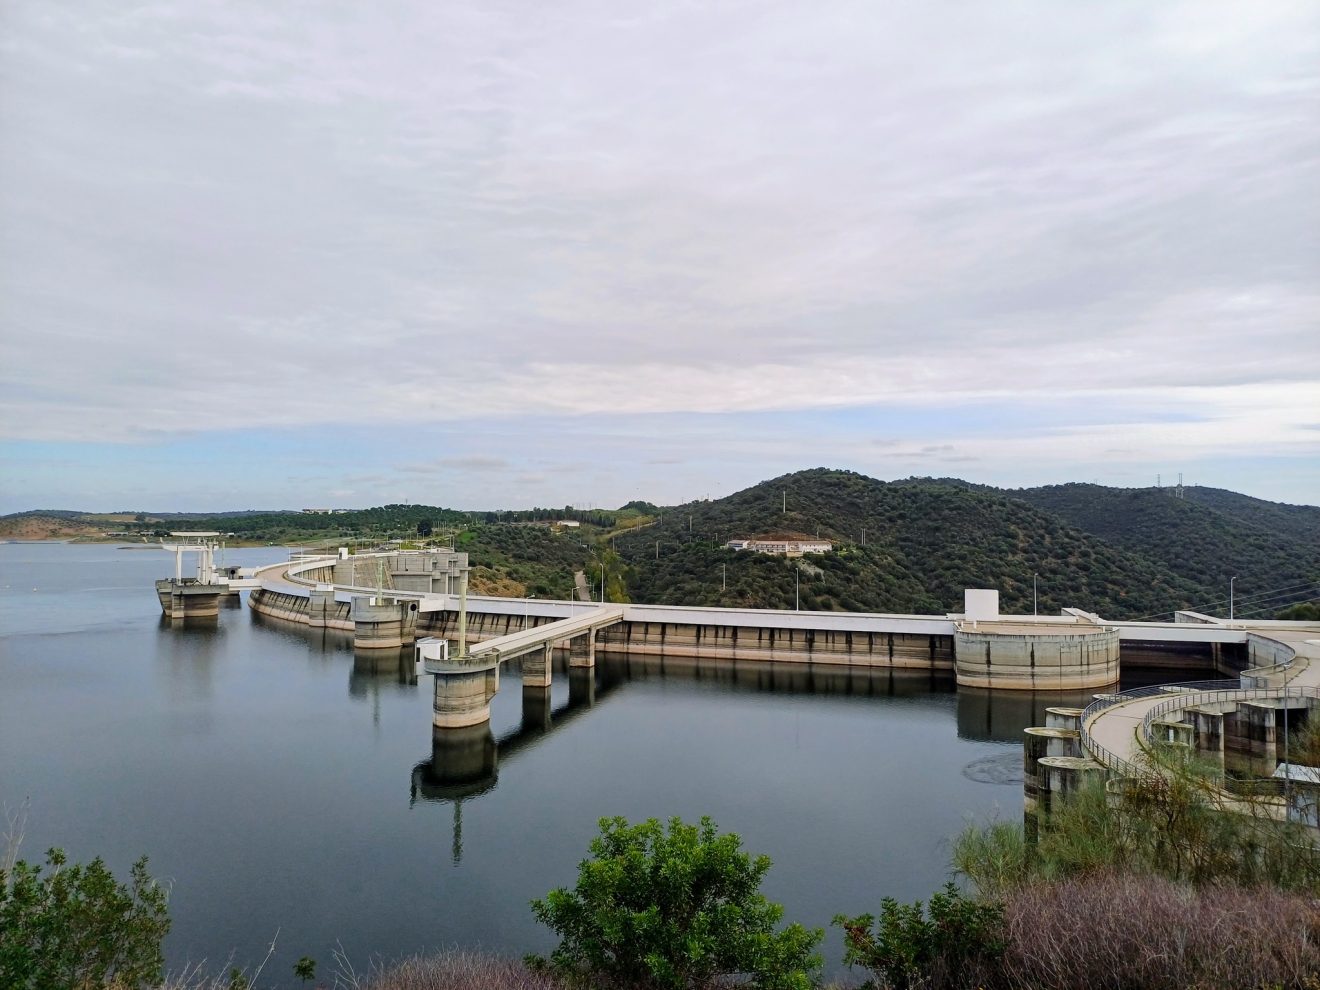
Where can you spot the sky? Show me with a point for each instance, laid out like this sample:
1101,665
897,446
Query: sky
504,254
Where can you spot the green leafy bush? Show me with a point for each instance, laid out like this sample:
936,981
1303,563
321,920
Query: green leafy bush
675,907
77,927
953,941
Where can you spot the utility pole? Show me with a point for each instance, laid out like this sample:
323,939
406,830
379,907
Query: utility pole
724,577
1230,597
863,535
657,549
785,501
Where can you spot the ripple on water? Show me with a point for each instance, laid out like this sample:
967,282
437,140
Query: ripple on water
1002,768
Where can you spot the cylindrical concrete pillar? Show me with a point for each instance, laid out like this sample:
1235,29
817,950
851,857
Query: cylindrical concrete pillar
1038,743
378,623
462,695
1060,717
1059,776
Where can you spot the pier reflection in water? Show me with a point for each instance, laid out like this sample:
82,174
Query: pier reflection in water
465,762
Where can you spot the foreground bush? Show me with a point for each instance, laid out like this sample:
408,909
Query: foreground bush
77,927
959,942
1165,824
457,970
1123,931
659,908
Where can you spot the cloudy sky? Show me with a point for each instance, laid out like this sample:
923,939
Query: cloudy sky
514,253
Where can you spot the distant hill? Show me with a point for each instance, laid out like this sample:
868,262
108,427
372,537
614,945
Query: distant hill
1208,536
925,541
902,546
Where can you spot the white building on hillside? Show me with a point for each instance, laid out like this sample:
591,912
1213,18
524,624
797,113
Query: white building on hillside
787,547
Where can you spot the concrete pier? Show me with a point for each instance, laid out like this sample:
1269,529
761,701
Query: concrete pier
463,690
1063,717
383,623
186,598
582,650
321,606
538,666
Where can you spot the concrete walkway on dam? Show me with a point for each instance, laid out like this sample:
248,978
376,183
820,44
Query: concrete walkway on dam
1116,729
983,648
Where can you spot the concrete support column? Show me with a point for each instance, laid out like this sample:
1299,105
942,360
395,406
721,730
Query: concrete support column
185,599
462,695
1039,743
582,650
383,623
1208,724
1060,717
320,605
538,667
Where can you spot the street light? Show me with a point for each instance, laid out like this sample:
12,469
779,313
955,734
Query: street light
797,601
1033,594
1230,597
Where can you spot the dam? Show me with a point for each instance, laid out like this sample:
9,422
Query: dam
396,599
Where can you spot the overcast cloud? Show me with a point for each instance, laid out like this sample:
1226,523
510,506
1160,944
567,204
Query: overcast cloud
589,251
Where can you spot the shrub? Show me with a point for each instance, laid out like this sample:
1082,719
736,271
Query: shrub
1114,931
455,970
76,926
671,908
958,944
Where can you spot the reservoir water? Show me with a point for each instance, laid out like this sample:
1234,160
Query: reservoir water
284,785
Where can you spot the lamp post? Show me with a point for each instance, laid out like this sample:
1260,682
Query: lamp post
1230,597
797,600
1033,594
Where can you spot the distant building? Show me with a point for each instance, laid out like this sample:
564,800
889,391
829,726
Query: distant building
787,547
568,523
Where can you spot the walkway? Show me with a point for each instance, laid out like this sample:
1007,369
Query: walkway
1114,726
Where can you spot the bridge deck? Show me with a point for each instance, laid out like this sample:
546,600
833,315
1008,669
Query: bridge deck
516,644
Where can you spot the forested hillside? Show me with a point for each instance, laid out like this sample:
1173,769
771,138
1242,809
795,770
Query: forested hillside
925,541
902,546
1208,536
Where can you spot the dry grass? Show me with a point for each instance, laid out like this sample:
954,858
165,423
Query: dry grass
1120,932
457,970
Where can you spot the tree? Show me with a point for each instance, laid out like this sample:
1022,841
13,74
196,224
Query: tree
305,969
424,527
960,940
76,926
659,908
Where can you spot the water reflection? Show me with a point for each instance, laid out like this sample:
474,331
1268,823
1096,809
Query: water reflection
784,678
465,762
987,715
187,651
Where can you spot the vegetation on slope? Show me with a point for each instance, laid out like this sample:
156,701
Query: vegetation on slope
925,542
1208,537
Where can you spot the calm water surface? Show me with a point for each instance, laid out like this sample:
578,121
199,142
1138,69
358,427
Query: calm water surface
283,784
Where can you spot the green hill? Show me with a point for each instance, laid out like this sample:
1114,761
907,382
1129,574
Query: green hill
925,541
1207,537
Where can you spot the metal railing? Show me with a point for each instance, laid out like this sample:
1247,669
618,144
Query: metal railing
1112,760
1187,694
1193,699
